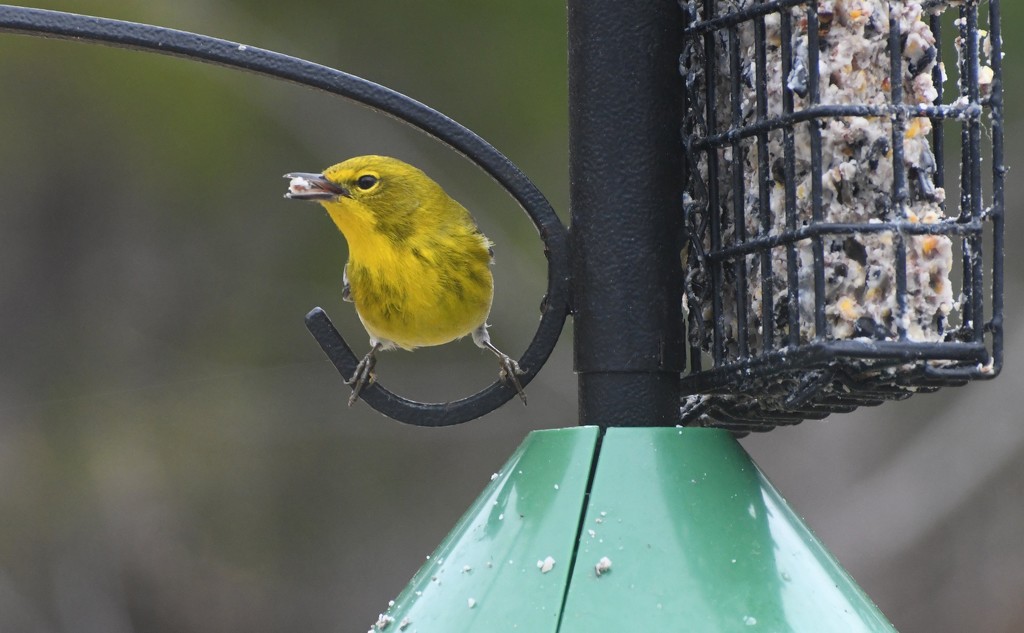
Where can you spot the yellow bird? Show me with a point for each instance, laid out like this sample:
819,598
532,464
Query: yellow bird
418,269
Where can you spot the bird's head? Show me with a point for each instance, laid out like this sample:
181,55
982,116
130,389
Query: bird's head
381,186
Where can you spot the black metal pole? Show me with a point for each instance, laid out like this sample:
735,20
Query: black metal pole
625,109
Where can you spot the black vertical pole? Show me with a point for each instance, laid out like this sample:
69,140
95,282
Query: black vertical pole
625,112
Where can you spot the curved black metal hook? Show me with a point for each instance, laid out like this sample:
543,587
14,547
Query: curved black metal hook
555,308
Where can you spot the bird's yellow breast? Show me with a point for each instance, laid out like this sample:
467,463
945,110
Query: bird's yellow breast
422,293
426,286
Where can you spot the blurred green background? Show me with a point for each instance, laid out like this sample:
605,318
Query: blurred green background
175,452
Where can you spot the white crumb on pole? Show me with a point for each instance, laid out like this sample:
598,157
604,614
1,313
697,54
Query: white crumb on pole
546,565
471,602
383,620
404,624
466,569
494,476
603,566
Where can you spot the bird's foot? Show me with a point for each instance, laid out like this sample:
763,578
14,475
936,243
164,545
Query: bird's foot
509,373
510,370
363,376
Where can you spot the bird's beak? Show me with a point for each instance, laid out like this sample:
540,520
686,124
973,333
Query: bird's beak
313,187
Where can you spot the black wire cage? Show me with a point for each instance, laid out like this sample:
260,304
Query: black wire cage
832,262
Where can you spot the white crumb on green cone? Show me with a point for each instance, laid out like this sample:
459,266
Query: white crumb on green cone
546,565
383,620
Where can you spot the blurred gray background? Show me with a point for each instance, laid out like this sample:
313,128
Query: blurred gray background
176,453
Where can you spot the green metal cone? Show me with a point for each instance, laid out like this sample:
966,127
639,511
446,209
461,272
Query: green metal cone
699,540
484,576
689,535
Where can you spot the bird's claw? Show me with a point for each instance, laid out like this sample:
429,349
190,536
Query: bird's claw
509,373
363,376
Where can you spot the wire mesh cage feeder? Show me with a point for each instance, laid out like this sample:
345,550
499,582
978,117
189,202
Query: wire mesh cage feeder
833,260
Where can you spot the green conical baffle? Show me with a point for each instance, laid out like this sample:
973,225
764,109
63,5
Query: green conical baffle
674,530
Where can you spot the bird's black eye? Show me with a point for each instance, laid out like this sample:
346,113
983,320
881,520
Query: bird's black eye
366,182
